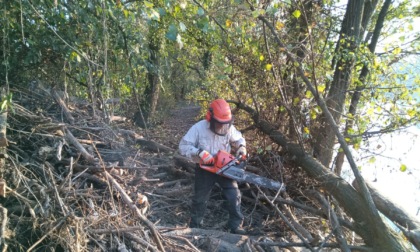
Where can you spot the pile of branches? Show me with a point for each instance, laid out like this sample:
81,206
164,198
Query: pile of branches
64,180
76,182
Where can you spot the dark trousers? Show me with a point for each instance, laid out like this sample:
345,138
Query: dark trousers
204,182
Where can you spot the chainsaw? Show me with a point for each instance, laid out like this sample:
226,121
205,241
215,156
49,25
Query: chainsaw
227,165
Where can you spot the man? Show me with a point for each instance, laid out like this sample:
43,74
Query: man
203,140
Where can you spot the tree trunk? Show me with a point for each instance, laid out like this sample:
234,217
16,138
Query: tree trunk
362,78
348,44
153,89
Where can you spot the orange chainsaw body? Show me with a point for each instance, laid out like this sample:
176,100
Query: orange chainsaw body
221,159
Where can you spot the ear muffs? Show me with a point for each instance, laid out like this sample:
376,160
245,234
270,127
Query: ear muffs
209,114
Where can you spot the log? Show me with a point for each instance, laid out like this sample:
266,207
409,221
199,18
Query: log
238,240
153,146
62,105
177,172
185,163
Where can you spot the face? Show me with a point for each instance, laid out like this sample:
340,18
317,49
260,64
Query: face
221,128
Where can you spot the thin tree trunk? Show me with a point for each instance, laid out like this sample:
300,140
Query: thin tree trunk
348,45
362,77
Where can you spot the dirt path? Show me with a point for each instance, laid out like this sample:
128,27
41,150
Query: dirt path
179,121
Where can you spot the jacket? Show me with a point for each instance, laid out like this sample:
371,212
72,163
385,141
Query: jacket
200,136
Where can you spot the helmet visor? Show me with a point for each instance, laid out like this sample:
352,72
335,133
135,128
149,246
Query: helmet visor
220,129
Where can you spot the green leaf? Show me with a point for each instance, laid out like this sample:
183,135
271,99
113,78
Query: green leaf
296,13
148,4
126,13
403,167
372,160
200,11
172,32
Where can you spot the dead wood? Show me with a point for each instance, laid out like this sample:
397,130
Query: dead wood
128,232
186,241
336,227
133,207
238,240
4,221
71,139
294,225
174,192
99,183
176,172
299,244
2,188
185,163
62,105
58,224
117,119
173,182
214,244
153,146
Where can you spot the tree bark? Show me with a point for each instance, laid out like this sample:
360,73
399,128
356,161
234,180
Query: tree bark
362,77
153,89
348,43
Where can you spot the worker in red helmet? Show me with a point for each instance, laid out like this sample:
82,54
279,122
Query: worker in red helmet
202,141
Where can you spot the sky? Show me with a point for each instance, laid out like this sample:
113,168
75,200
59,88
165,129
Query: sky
402,188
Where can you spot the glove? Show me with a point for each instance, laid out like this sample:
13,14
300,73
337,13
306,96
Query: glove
205,157
241,152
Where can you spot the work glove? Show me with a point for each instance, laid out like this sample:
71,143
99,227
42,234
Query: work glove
205,157
241,152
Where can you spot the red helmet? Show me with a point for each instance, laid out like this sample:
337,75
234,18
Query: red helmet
220,117
219,110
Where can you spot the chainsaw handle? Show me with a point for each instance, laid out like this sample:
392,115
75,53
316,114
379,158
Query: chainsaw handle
241,158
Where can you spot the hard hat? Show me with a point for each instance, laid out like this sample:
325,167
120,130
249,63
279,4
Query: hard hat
220,111
220,117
